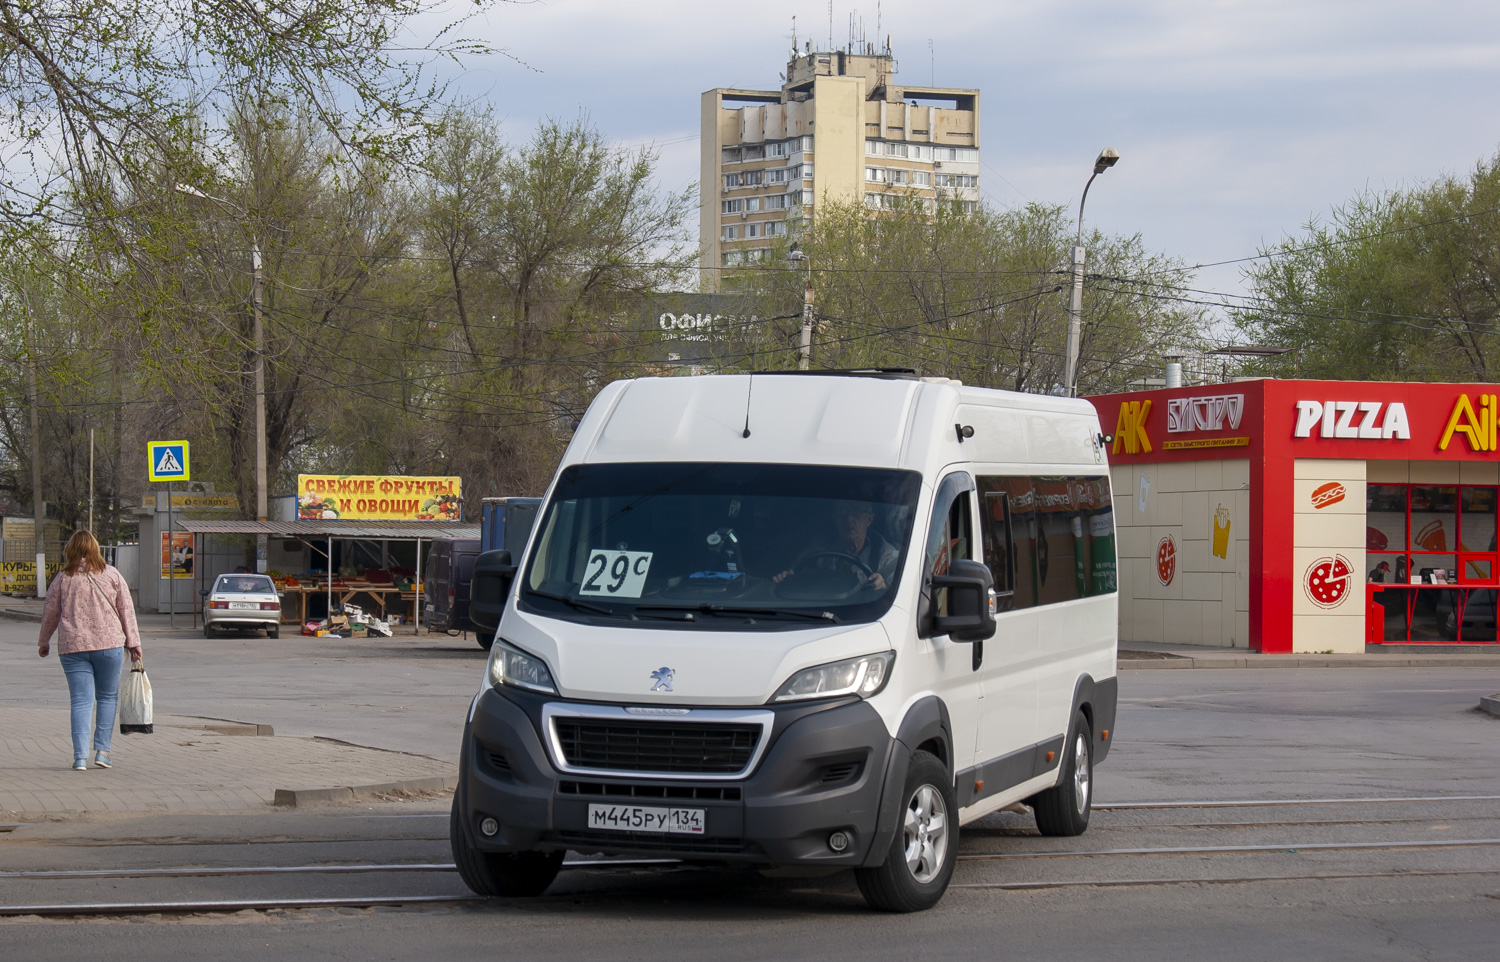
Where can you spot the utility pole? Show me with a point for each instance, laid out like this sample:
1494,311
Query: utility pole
259,363
804,355
38,506
1108,157
805,358
260,406
1075,315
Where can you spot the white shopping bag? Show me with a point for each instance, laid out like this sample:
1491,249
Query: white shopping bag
135,702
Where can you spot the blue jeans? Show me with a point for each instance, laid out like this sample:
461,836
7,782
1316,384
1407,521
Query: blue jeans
93,678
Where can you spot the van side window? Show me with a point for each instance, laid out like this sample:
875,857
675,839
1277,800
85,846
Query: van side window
948,537
999,550
1009,524
1055,535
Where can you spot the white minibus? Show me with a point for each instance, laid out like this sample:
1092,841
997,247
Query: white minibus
796,619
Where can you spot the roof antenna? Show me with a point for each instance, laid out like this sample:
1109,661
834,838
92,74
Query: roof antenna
749,386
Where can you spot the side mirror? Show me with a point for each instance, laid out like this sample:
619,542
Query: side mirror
203,592
970,615
493,574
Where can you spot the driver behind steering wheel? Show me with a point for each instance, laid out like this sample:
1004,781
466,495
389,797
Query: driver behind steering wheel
851,536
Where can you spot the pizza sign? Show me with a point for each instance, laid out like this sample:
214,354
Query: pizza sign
1327,581
1166,560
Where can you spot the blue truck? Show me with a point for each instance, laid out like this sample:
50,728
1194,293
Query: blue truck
504,526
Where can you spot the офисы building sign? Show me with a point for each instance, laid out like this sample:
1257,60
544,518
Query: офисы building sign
328,497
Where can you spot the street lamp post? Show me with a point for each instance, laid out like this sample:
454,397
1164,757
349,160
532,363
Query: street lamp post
1108,157
259,362
804,358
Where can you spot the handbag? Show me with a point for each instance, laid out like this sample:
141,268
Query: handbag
135,702
135,693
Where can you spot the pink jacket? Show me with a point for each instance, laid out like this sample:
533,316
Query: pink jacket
90,612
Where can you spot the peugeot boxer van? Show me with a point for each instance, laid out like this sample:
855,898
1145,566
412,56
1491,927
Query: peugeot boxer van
796,620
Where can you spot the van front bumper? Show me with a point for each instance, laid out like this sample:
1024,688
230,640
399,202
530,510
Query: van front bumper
822,772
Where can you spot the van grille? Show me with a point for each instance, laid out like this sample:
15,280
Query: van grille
716,793
675,747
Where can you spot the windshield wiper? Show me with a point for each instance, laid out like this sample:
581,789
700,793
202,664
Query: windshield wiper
708,609
575,604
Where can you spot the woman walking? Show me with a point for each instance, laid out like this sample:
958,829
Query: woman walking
88,605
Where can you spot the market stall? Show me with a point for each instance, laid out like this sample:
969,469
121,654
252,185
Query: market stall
318,574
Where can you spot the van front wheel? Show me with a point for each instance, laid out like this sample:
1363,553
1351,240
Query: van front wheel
496,874
1064,809
922,855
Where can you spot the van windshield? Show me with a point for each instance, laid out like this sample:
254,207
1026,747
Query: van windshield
722,545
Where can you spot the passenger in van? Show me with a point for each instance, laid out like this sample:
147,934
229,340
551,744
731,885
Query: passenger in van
851,536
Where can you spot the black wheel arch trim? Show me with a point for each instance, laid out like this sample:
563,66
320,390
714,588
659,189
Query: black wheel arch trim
925,721
1098,700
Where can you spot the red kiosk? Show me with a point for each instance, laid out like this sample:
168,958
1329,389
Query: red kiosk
1307,516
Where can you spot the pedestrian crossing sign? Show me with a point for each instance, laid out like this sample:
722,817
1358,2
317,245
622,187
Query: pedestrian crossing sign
167,461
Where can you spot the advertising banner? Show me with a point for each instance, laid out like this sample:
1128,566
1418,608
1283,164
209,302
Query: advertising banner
379,498
192,502
19,529
176,554
19,577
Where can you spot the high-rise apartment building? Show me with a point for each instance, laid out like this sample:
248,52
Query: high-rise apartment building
840,129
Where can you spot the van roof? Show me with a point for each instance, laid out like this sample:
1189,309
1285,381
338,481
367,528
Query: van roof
870,419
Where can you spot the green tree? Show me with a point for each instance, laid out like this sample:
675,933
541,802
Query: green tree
535,252
1400,285
327,227
973,294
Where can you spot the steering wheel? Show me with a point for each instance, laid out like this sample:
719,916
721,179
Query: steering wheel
800,586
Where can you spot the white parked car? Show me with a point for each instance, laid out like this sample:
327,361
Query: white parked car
242,602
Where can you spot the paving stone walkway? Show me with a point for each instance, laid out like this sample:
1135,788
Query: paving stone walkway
181,767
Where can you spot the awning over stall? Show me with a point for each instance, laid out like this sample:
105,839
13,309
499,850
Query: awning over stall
367,530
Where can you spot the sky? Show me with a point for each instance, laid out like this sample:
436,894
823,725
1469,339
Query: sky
1236,122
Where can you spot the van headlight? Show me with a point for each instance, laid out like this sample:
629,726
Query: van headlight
519,669
863,676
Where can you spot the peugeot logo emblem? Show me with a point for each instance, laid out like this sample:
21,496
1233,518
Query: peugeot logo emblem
663,678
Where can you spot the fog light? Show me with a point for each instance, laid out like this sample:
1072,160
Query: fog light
838,841
489,826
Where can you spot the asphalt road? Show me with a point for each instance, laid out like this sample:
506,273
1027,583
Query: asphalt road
1335,879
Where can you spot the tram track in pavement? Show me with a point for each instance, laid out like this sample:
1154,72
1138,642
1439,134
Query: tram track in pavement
1233,856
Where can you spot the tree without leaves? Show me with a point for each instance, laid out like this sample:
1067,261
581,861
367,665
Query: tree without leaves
90,88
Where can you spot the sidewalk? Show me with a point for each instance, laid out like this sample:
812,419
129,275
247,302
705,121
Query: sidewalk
187,766
21,609
1150,655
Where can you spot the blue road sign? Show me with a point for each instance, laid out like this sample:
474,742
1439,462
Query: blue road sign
167,461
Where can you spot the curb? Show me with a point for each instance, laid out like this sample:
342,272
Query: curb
219,726
1491,703
10,614
291,798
